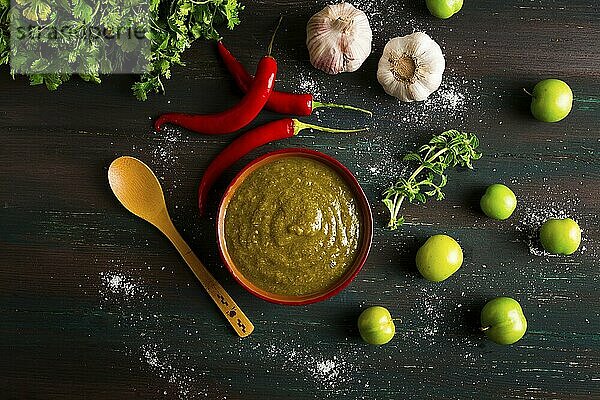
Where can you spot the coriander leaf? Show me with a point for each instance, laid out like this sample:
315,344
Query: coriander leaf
83,11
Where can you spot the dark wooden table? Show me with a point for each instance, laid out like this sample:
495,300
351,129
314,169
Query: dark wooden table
96,304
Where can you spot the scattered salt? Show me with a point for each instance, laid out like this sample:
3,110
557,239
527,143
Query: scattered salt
535,214
307,83
163,146
428,307
379,13
326,371
126,296
159,362
117,285
377,156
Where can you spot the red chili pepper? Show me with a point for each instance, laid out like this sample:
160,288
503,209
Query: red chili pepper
280,102
276,130
235,117
239,115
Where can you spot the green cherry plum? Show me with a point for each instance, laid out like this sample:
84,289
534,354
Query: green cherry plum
560,236
444,8
376,325
502,320
552,100
440,257
498,202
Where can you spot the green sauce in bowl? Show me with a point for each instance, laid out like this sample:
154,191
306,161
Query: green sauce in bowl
293,227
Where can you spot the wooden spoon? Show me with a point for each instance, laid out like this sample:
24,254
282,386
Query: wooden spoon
138,189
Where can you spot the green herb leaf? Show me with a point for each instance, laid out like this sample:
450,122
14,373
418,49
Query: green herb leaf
83,11
448,149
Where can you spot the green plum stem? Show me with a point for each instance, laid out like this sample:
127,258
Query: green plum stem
484,328
526,91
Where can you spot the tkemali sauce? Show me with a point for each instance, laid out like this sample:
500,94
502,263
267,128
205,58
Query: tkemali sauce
292,227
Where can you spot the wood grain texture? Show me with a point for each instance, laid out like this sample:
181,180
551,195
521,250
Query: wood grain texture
65,333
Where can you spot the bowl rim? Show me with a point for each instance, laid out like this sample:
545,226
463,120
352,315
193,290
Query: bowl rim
363,206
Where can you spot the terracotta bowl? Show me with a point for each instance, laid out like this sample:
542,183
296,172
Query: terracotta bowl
366,228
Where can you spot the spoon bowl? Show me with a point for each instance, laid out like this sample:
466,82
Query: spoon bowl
137,188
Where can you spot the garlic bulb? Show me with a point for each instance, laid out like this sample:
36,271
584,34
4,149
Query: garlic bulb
338,38
411,67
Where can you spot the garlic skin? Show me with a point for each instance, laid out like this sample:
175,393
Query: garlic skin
338,38
411,67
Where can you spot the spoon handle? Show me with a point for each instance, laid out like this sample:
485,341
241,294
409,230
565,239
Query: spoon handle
236,317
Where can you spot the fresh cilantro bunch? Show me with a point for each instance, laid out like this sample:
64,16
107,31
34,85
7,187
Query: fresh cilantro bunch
178,23
174,26
4,35
447,149
56,37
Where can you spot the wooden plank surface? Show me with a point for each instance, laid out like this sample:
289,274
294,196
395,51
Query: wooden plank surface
96,304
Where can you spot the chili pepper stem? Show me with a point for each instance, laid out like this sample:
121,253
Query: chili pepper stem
273,37
318,104
300,126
